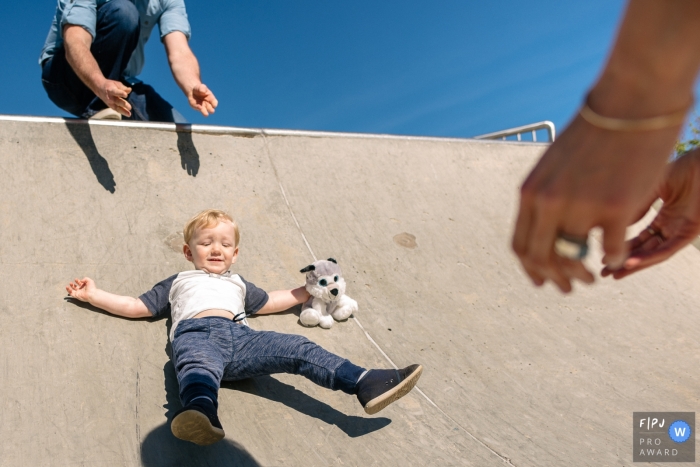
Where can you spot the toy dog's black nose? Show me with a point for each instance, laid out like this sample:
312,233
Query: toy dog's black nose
334,292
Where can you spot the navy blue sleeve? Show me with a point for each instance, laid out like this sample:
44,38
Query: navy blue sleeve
255,298
156,299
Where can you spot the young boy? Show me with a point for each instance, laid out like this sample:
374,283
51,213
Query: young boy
211,341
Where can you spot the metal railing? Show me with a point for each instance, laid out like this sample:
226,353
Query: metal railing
519,131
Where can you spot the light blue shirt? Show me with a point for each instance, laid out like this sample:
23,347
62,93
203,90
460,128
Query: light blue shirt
169,14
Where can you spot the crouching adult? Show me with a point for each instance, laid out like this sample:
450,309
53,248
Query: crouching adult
95,51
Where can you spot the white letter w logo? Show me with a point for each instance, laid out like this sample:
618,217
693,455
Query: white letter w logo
679,432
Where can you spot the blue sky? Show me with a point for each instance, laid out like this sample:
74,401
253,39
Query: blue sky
444,68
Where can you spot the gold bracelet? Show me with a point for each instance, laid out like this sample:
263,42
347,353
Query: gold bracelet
633,124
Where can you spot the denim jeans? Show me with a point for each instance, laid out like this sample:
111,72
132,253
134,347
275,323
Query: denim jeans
117,35
209,350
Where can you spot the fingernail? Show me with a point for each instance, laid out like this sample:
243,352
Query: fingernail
615,263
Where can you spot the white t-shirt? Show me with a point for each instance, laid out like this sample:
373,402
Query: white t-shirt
189,293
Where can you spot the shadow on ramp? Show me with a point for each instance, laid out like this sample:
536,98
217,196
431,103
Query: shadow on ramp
82,135
189,157
269,388
160,448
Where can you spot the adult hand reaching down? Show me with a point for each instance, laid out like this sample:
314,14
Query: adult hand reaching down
185,69
590,177
202,99
609,164
676,224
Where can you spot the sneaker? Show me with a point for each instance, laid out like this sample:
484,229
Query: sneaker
379,388
107,114
197,422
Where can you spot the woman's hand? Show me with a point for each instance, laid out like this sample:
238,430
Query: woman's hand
588,178
676,224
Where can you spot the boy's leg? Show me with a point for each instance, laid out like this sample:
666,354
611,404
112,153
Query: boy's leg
198,349
260,353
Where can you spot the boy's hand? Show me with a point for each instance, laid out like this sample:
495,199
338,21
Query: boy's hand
81,289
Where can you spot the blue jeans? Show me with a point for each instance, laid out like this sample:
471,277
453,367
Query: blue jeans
117,34
209,350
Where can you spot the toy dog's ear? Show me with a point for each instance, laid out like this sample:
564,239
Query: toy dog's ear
332,260
308,268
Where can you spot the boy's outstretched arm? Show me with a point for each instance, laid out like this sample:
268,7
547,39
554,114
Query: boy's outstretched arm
281,300
128,307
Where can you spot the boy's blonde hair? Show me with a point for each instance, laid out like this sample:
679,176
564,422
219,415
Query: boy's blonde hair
208,218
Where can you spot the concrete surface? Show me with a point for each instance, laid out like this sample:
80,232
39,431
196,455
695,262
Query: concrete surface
513,375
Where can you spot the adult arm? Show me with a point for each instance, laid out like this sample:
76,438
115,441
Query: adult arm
77,42
128,307
594,177
281,300
185,69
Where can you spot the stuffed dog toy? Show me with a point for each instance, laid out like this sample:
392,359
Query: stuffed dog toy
325,283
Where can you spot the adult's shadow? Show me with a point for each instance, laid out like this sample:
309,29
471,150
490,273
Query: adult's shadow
189,157
160,449
277,391
82,134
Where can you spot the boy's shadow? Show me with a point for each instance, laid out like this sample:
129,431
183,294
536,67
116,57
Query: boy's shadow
274,390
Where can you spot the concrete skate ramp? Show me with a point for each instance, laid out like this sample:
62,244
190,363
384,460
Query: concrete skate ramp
513,375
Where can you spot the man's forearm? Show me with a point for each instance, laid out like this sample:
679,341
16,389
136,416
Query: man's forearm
185,69
77,42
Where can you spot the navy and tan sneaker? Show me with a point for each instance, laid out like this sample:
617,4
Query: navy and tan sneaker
197,422
379,388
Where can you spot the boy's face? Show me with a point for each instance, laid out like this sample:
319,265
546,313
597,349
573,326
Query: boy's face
213,248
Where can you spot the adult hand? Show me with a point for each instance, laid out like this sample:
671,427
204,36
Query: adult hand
81,289
588,178
114,94
202,99
79,55
676,224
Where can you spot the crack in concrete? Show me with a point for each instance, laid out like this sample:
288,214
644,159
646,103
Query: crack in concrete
505,459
